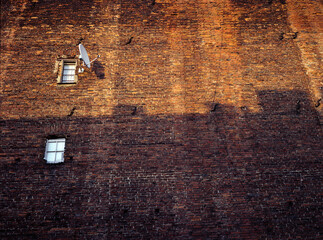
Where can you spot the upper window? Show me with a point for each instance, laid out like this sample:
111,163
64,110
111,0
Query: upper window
67,71
55,150
68,75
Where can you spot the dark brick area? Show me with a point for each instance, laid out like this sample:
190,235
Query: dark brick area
167,177
200,120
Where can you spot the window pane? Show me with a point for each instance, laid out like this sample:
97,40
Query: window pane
69,66
60,146
68,72
51,146
68,79
59,156
51,157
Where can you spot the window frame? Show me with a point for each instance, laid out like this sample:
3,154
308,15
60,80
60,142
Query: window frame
56,151
67,72
64,62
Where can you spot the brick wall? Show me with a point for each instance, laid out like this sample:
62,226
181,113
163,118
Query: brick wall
200,120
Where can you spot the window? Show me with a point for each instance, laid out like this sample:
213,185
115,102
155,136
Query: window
55,150
67,70
68,75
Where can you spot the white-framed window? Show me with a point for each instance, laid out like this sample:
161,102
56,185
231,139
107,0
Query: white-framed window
68,73
67,70
54,152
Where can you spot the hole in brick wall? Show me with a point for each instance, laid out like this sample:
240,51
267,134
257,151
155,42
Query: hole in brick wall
216,105
71,112
119,80
129,41
157,210
80,41
191,117
318,103
298,107
269,2
283,1
17,160
125,212
290,204
134,111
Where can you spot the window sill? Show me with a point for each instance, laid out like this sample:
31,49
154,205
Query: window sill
54,163
66,84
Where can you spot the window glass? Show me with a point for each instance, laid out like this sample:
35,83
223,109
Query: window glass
51,157
51,146
60,146
59,157
69,66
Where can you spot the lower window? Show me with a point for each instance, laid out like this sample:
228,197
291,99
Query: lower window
55,150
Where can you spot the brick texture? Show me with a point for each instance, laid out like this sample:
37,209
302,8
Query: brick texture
200,120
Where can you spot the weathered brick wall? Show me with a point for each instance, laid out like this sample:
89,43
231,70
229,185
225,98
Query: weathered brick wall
205,125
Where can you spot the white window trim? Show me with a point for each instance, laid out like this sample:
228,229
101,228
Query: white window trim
61,71
56,160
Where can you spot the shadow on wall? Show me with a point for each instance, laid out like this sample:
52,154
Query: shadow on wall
98,69
284,102
229,174
251,3
5,9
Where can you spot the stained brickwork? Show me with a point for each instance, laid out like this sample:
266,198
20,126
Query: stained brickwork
200,120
